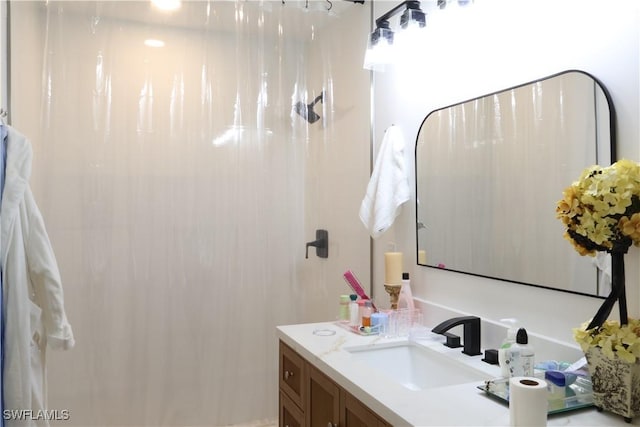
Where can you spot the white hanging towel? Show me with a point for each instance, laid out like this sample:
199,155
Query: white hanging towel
388,186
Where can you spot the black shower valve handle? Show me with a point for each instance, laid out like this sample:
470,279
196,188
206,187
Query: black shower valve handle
321,244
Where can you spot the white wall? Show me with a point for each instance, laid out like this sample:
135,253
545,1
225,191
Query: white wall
488,46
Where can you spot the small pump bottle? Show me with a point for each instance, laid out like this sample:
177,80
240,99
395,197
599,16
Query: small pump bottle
354,311
520,356
366,313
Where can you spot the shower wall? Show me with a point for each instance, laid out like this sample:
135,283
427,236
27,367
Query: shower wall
179,190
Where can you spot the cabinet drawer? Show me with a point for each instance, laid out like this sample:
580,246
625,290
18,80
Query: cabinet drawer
356,414
290,414
292,374
322,407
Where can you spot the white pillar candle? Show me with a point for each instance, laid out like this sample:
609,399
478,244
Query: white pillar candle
393,268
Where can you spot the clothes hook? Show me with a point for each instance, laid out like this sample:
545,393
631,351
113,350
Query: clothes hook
330,5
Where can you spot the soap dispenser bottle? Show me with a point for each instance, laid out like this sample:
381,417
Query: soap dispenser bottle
520,356
509,340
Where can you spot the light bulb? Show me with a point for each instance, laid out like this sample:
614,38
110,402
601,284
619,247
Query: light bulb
167,5
154,43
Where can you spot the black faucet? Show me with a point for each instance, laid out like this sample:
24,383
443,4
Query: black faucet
471,333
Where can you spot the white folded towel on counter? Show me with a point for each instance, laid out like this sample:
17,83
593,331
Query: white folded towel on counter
388,186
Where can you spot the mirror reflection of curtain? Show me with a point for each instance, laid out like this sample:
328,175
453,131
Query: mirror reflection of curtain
494,169
172,181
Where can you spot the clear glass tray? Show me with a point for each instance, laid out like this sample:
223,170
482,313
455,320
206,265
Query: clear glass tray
577,395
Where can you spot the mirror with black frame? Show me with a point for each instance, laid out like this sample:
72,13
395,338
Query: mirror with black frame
490,170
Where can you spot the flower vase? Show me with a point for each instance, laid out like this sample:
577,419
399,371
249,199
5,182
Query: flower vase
616,384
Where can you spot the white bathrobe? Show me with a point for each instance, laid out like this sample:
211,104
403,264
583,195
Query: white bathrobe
33,305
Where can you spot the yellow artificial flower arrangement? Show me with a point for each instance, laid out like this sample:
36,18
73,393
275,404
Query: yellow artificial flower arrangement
601,212
602,209
612,338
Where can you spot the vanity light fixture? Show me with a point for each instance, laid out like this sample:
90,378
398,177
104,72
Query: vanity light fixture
413,20
413,15
379,47
379,51
443,3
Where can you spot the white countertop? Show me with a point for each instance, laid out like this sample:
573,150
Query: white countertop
456,405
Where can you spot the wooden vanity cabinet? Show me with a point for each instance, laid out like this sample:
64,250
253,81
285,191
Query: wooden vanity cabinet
310,398
355,414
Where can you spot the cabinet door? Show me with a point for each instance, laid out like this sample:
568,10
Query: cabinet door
323,400
356,414
290,414
292,371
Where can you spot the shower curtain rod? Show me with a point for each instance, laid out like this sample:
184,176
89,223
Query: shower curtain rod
330,3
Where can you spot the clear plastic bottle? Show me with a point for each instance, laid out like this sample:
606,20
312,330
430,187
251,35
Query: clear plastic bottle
344,307
405,299
506,344
366,313
354,311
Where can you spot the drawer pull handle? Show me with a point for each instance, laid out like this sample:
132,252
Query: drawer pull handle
332,424
287,374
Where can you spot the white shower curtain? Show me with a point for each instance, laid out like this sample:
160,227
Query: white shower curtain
172,181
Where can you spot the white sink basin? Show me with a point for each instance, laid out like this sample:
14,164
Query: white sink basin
415,367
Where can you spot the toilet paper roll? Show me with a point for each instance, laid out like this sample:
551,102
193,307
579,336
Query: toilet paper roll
528,401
